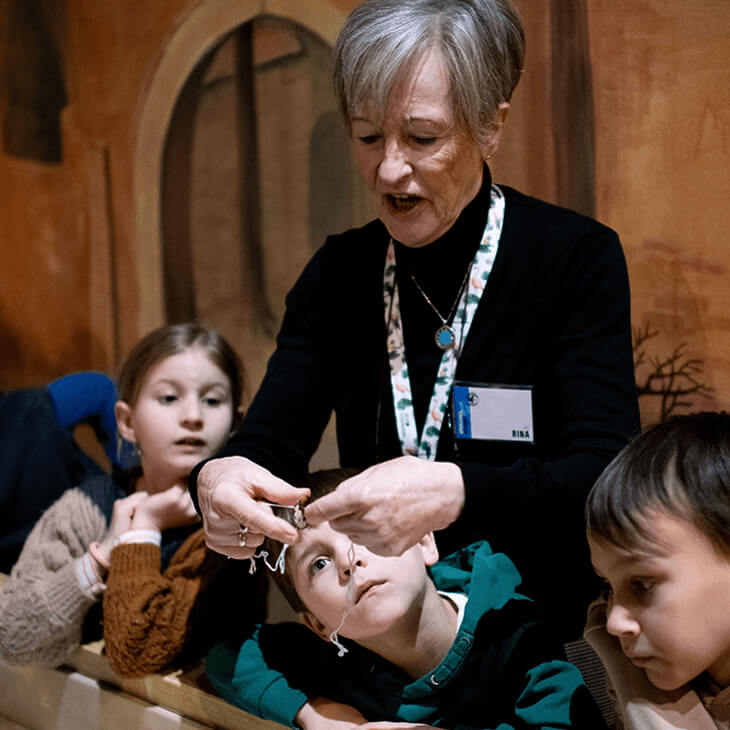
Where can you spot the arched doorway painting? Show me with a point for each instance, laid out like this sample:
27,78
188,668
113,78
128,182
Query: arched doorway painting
254,170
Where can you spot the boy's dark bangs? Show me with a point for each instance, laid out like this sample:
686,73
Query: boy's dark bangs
619,516
631,488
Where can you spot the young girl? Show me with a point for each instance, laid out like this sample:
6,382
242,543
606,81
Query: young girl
134,538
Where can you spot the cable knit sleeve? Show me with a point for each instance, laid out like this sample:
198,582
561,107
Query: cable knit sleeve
42,605
148,614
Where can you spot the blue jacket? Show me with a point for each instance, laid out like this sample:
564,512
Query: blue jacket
502,671
39,456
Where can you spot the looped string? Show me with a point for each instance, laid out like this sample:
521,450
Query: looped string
264,555
349,598
349,603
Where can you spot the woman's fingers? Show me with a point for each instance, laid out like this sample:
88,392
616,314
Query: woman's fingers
270,488
241,543
391,506
230,492
254,479
233,506
340,504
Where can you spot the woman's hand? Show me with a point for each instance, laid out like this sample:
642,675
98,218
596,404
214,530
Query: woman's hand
170,508
389,507
228,492
321,713
121,521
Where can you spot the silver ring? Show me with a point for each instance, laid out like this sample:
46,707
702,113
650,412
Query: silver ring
242,536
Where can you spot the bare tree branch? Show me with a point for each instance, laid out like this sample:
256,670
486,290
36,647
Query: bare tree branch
673,378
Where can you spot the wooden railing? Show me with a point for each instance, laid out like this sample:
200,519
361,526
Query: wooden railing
85,694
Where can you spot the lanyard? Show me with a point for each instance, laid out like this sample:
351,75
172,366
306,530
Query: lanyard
480,268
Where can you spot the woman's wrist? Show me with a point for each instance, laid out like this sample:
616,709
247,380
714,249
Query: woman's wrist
455,493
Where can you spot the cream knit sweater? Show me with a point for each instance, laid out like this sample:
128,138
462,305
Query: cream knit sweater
42,605
150,616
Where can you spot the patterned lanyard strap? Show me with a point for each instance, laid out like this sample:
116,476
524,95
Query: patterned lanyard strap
480,268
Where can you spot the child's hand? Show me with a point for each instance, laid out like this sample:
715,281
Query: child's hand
321,713
161,511
121,521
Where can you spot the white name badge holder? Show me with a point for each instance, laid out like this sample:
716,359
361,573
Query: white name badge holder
493,412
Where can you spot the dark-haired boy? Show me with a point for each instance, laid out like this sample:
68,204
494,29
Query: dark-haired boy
658,522
453,646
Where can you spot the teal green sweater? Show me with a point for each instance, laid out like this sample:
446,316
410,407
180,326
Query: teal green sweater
502,671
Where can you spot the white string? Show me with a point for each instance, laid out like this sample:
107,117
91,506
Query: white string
349,603
349,598
299,522
264,555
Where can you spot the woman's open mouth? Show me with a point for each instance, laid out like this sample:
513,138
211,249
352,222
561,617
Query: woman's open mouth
402,203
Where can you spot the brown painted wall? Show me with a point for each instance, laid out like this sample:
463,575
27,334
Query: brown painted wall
61,223
662,81
70,284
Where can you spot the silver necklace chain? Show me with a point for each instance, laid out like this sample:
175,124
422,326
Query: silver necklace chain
445,336
444,320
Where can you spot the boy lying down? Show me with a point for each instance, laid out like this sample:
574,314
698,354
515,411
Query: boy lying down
446,643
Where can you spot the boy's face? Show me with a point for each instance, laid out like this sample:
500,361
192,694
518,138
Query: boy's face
385,589
668,603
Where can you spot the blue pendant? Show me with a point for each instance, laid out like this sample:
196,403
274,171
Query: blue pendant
445,337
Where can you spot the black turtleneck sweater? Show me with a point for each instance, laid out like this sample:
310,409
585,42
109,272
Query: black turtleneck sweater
555,315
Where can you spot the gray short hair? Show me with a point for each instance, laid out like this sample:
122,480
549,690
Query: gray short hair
482,43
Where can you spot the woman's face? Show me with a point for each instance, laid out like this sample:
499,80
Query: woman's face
422,168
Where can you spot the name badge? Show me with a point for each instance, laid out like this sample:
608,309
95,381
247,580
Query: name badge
493,412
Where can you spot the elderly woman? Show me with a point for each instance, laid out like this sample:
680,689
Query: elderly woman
473,342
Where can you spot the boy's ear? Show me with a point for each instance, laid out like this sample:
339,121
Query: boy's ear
430,552
123,414
313,623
